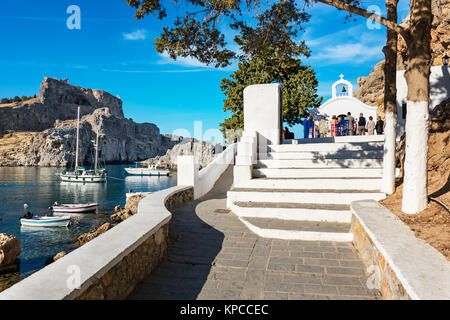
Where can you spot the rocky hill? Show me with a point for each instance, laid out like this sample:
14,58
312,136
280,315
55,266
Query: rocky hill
206,152
42,133
371,88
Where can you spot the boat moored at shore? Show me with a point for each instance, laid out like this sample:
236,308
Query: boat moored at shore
83,176
37,221
80,174
74,208
146,169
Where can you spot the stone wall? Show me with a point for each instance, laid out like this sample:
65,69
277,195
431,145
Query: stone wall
382,277
111,265
120,281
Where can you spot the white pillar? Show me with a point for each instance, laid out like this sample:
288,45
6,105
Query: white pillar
245,159
262,113
388,183
187,171
415,193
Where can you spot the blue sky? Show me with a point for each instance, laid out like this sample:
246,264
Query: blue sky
114,52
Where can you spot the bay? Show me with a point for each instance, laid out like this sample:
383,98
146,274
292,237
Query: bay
40,188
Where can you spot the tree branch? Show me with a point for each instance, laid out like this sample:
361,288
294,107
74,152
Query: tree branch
364,13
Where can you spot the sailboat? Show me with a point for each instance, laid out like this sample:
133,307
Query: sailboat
80,174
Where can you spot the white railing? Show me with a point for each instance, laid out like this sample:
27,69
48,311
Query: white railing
209,175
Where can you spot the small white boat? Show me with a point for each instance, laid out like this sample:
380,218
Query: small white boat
74,208
144,169
37,221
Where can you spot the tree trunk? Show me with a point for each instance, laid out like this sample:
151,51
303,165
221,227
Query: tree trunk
390,100
417,75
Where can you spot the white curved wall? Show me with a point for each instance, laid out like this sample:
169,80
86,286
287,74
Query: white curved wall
209,175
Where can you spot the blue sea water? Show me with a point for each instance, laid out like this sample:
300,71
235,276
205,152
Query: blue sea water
40,188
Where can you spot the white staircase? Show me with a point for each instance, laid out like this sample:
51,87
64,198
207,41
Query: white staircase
302,190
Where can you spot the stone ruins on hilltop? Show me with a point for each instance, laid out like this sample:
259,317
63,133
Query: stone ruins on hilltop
41,131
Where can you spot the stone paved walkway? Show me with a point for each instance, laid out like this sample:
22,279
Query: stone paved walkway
212,255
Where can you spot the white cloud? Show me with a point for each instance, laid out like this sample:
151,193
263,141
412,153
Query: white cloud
184,61
153,71
140,34
354,53
189,62
354,46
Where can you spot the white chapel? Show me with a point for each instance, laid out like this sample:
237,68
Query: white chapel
342,102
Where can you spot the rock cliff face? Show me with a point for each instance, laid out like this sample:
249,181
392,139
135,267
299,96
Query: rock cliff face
9,251
57,100
371,88
205,151
48,136
440,35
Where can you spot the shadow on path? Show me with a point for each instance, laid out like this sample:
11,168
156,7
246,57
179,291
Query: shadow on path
193,247
212,255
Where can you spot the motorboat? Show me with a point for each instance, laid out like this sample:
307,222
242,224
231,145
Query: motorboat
74,208
46,221
146,169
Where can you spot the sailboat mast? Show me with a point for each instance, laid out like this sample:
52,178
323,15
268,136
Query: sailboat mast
96,151
78,137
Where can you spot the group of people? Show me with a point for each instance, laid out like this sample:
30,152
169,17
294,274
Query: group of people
342,126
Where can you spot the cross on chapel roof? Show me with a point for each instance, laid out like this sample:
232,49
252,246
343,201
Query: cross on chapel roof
343,82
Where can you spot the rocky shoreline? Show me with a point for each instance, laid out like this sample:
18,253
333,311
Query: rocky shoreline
120,214
10,245
205,152
9,262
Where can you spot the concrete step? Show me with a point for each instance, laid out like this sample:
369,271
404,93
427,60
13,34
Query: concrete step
321,163
327,147
352,154
294,211
299,230
313,183
365,138
301,195
317,172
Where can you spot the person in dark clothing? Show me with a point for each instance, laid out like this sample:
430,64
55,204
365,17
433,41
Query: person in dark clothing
350,123
288,134
379,126
361,125
27,213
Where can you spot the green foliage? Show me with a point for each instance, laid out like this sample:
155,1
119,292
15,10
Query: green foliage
195,33
275,32
299,88
269,50
271,55
16,99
